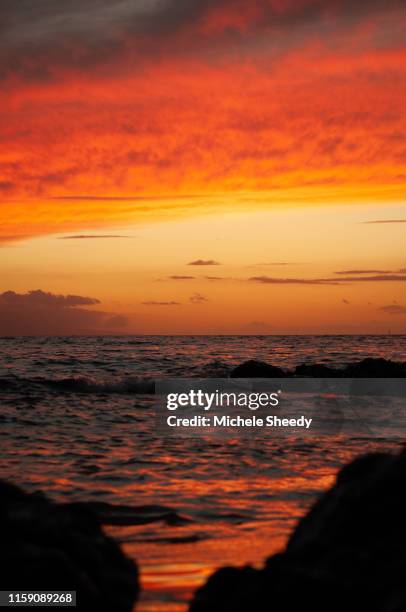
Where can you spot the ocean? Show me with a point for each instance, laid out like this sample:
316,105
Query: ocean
77,423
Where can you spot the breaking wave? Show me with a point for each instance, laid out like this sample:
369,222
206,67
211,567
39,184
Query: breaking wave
80,384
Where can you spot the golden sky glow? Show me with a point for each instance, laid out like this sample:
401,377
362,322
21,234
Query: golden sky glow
245,133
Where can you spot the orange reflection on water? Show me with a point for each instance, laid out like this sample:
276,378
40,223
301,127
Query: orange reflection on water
173,583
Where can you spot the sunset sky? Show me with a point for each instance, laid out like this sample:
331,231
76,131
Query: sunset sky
202,166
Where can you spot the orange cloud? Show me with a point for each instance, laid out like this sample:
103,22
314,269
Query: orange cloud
197,106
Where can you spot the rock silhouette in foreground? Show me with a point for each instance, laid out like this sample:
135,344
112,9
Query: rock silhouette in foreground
347,553
49,546
370,367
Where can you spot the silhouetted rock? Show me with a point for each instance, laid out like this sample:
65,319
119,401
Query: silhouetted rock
317,370
371,367
375,368
49,546
257,369
348,552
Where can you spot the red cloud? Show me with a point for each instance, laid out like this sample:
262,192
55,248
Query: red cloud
181,100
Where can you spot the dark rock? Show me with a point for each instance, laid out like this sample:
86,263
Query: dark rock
375,368
371,367
256,369
317,370
347,553
60,547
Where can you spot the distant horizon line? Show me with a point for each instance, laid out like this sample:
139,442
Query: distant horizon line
179,335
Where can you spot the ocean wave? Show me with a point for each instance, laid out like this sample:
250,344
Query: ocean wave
116,514
368,368
80,384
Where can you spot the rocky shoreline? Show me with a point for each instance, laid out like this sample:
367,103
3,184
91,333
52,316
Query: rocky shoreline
347,552
370,367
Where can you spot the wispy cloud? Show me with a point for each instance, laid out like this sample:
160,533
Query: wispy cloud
91,236
204,262
181,277
275,263
130,198
378,278
394,309
384,221
157,303
198,298
268,280
346,272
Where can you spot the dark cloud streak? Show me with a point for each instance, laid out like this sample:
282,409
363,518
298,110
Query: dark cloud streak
41,298
394,309
267,280
204,262
379,221
90,236
39,37
181,277
133,198
347,272
157,303
39,312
